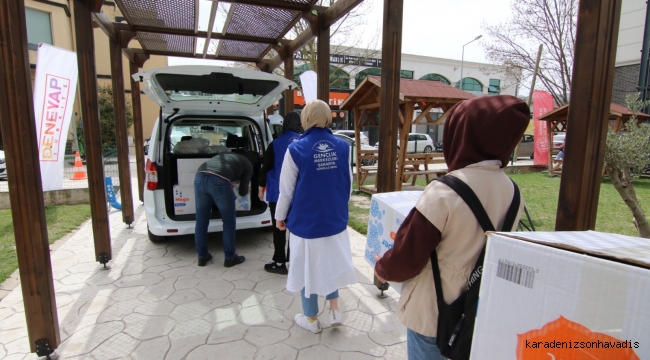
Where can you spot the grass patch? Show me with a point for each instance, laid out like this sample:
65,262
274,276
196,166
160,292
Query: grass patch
60,221
541,192
359,210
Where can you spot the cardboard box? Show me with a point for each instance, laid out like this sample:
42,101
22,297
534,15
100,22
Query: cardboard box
186,169
387,212
242,203
564,295
184,200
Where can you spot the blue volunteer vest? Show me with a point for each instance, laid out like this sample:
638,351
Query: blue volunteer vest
273,177
320,200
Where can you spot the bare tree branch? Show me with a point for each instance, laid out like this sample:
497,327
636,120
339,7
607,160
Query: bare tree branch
548,22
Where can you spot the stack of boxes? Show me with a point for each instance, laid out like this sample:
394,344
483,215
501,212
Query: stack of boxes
184,199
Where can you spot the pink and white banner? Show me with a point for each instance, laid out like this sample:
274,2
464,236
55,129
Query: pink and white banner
54,91
542,103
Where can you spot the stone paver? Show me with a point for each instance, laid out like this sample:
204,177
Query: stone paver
154,302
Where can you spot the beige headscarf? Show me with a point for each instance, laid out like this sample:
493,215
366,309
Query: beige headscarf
316,114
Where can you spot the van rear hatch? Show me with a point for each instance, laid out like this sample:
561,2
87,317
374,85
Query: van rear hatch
197,89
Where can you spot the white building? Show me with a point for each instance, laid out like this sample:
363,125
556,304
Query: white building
349,66
628,51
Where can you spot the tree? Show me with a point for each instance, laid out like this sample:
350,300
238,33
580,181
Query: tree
106,118
514,44
627,155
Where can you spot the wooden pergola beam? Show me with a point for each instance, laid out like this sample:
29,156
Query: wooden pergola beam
287,5
24,175
329,15
121,132
137,128
288,74
105,24
323,61
200,34
390,78
591,89
92,132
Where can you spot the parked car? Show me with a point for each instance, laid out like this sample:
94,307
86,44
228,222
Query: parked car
527,146
417,143
350,134
3,165
558,141
353,150
206,108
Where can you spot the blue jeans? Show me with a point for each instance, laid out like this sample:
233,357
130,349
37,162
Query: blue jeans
209,189
310,304
420,347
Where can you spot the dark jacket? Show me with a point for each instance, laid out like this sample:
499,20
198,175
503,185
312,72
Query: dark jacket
231,166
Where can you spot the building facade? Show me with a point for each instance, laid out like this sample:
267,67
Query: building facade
350,66
628,51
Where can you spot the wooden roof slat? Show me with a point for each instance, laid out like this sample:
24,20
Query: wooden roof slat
199,34
300,5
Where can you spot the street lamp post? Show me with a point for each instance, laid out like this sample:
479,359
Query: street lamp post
463,60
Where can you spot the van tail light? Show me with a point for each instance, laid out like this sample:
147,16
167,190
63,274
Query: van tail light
151,175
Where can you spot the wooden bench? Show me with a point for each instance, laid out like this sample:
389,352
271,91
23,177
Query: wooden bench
414,165
418,164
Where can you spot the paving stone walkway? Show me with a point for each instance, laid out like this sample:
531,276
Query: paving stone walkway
156,303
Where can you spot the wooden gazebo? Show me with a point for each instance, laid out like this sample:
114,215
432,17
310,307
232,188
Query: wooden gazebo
423,95
556,121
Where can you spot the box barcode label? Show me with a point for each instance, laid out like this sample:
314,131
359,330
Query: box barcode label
516,273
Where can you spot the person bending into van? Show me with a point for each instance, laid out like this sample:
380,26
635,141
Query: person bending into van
213,185
442,221
315,188
270,179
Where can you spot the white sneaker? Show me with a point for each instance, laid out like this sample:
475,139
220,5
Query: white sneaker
335,318
303,322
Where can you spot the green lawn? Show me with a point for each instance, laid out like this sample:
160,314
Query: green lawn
60,221
540,193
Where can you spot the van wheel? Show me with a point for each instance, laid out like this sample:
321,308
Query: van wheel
155,238
532,156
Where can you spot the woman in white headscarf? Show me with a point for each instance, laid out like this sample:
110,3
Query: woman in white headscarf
315,188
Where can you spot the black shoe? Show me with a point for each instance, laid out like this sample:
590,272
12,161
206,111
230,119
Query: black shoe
204,260
238,259
276,268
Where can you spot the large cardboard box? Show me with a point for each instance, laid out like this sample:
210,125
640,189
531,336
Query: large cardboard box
564,295
387,212
184,200
186,169
242,203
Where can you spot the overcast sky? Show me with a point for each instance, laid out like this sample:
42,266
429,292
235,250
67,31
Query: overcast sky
431,28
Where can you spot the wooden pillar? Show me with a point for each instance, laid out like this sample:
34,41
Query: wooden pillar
288,74
591,89
391,62
323,67
137,128
357,144
24,176
549,139
121,132
409,109
92,132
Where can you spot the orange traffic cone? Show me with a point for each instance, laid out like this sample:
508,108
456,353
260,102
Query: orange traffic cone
79,173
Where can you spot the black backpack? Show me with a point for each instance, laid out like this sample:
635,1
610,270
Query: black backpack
456,320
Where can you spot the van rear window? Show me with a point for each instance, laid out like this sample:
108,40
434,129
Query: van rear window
215,87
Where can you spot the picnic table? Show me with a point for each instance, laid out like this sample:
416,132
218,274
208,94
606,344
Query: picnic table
414,165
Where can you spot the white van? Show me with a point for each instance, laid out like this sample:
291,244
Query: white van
204,109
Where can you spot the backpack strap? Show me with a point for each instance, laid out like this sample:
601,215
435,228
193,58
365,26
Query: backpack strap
470,198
